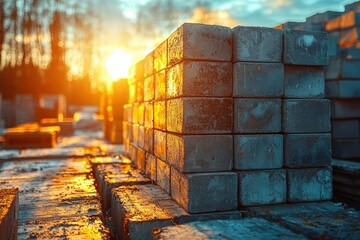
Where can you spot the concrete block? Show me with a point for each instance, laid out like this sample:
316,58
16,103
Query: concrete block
199,78
149,114
260,151
135,113
350,19
349,37
200,153
140,159
136,72
163,175
345,108
150,166
199,115
343,69
257,44
204,192
323,17
346,148
149,88
291,25
333,47
306,116
149,64
140,140
160,144
350,53
314,220
136,210
140,91
66,125
333,24
262,187
160,57
250,228
305,48
112,175
201,42
355,6
132,92
9,212
149,140
258,79
257,115
304,81
343,89
160,115
128,112
160,85
307,150
309,184
345,128
17,138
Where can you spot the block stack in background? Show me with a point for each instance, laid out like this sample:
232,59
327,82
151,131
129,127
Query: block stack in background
223,118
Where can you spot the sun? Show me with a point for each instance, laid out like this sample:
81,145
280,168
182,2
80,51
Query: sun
118,64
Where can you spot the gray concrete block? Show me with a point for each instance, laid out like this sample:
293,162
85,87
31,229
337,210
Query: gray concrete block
343,69
257,44
150,166
149,140
201,42
160,85
345,128
291,25
204,192
262,187
307,150
305,48
260,151
306,116
149,89
257,115
163,175
346,148
250,228
343,89
112,175
258,79
160,115
200,115
304,81
309,184
160,144
200,153
345,108
199,78
314,220
333,48
136,210
160,57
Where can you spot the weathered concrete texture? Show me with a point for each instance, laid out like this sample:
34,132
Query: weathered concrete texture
347,167
140,159
160,144
355,6
163,172
291,25
345,108
160,115
150,167
349,37
257,44
305,48
257,115
140,91
260,151
149,115
317,21
149,140
249,228
309,184
323,220
346,148
108,160
139,140
136,210
160,85
307,150
149,89
160,57
149,64
258,79
304,81
200,115
200,153
9,212
343,69
199,78
306,116
262,187
109,176
343,89
128,112
200,42
349,128
204,192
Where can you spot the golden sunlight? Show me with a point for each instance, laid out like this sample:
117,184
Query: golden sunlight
118,64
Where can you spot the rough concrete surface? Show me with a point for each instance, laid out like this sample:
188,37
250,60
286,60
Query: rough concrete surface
9,212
